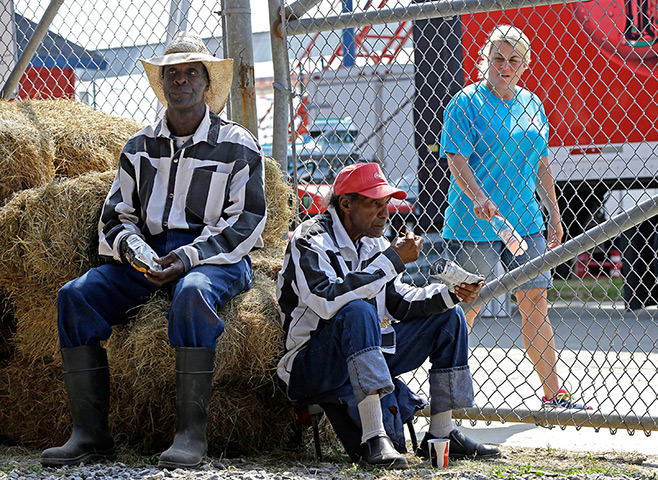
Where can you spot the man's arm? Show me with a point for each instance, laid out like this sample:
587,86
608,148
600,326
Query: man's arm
120,213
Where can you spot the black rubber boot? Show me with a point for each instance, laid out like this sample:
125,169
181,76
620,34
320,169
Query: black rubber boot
87,382
194,369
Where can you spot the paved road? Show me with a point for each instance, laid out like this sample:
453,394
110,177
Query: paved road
607,355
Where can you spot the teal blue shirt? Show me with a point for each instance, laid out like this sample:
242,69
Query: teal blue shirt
503,141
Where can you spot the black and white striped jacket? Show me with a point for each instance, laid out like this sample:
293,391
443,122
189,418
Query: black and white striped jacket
322,272
213,187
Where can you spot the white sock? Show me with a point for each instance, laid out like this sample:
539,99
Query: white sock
441,424
370,411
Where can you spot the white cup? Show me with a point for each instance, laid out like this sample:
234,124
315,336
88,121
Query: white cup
439,449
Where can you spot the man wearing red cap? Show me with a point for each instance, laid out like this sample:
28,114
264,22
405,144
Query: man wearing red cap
339,280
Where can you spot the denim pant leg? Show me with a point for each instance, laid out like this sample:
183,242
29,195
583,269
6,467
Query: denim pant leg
346,349
443,338
90,305
196,298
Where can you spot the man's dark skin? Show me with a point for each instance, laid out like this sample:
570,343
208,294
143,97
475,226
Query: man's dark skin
184,86
367,217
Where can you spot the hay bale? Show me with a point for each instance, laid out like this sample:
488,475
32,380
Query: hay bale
248,411
240,420
269,260
84,139
48,236
26,152
247,352
278,195
34,409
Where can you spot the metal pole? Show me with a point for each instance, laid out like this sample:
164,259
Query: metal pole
300,7
280,64
410,12
30,49
554,417
241,50
569,250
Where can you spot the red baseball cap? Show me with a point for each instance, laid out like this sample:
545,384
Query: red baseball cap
366,179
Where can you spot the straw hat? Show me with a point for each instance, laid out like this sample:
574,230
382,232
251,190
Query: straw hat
185,48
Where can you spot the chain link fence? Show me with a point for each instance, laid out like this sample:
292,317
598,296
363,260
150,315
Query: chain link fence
371,81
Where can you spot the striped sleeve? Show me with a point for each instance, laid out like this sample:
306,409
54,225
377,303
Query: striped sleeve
404,302
120,215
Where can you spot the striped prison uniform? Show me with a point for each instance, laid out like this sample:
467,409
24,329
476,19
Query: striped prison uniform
212,186
323,271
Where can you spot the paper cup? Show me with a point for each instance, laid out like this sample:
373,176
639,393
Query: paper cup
439,449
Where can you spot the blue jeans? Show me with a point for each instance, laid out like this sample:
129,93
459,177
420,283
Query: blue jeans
89,306
347,349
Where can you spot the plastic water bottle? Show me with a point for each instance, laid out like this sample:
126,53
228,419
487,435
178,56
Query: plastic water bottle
511,238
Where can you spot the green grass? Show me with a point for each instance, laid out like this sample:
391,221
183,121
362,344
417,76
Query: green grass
602,289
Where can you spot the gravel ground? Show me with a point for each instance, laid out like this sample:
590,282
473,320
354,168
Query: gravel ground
516,463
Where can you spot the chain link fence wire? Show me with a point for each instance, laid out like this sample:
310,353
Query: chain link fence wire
374,91
370,81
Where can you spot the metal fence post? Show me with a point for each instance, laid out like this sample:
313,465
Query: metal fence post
281,84
241,50
33,44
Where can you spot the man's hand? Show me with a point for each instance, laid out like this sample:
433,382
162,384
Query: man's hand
138,253
467,292
408,247
172,269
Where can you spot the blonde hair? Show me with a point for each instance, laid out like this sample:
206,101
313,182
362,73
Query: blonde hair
504,34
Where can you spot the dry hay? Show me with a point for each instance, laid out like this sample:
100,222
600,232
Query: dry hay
247,352
269,260
278,194
7,329
35,412
49,234
248,411
84,139
36,327
26,152
34,406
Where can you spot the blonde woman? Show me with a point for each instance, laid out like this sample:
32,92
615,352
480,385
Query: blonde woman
495,136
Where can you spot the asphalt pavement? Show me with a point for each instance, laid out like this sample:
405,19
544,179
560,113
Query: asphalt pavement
608,358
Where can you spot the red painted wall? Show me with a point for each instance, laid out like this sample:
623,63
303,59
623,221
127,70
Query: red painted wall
596,87
45,83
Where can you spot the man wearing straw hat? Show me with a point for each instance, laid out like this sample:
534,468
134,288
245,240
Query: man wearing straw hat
185,209
339,280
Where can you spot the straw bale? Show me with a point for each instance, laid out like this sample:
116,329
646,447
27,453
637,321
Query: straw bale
49,234
36,327
248,351
269,260
241,420
34,404
7,328
278,194
26,152
84,139
248,409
